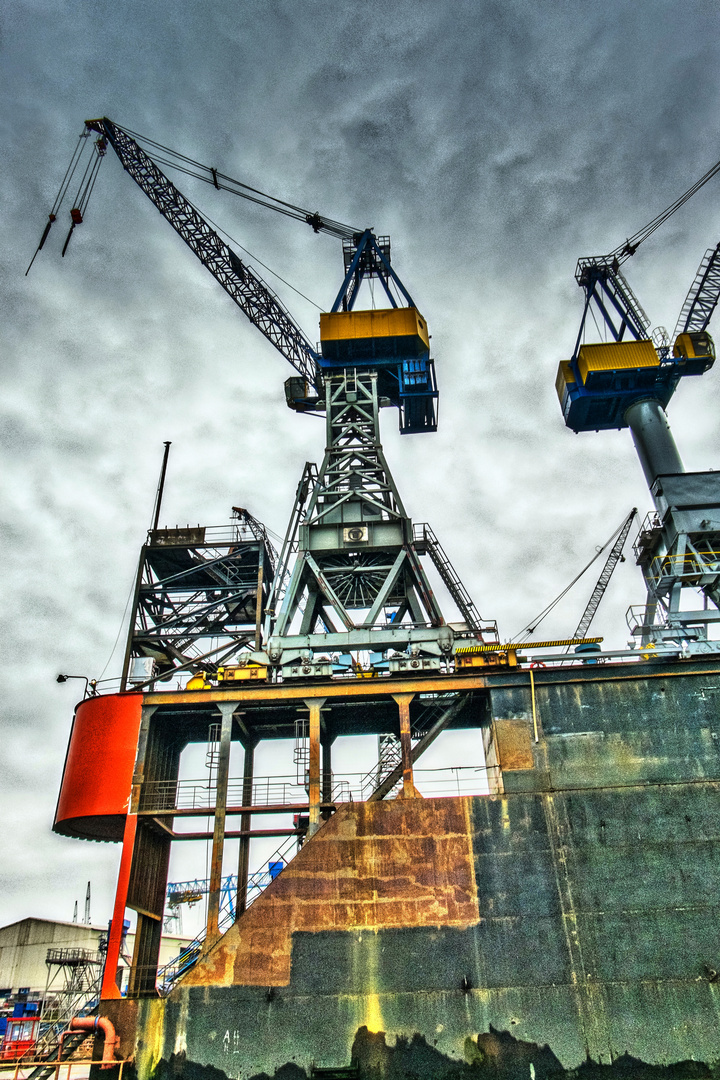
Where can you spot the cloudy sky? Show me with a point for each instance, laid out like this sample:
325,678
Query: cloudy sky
495,142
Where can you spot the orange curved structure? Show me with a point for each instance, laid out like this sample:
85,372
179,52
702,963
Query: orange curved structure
97,778
102,1023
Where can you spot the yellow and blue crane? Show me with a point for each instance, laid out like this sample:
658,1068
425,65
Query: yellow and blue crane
349,577
627,382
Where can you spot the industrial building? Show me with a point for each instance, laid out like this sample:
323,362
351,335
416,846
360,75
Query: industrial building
27,945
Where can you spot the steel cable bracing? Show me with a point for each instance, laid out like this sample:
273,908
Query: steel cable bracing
222,182
534,623
624,251
248,290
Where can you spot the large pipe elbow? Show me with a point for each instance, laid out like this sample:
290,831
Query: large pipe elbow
104,1024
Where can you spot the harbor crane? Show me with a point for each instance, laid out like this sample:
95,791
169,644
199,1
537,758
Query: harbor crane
627,382
349,577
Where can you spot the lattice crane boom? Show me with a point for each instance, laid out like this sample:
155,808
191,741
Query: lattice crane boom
702,297
249,291
607,572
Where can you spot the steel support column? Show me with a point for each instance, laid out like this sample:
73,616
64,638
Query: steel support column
403,701
314,705
653,440
110,989
245,821
327,769
227,708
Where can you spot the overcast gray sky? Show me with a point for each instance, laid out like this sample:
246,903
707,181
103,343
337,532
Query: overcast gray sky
495,142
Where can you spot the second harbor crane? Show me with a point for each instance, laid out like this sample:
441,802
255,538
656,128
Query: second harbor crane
627,382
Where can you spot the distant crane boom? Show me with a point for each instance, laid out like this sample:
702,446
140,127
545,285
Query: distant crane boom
249,292
702,297
607,572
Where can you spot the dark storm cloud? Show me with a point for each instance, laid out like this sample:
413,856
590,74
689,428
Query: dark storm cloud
496,142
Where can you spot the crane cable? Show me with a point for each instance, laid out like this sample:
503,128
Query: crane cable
210,175
62,192
89,178
616,554
86,188
219,229
534,623
624,251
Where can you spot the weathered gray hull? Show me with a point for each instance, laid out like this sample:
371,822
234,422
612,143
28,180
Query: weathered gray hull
569,922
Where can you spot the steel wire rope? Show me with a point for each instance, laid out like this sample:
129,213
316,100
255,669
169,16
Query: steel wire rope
70,171
534,623
633,243
62,192
117,636
232,240
601,333
88,190
271,201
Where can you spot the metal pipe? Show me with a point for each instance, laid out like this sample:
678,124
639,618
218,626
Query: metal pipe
105,1024
161,486
326,744
218,845
653,440
534,709
245,827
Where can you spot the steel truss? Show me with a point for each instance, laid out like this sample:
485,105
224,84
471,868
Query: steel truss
678,549
356,558
249,291
702,296
357,581
606,287
200,598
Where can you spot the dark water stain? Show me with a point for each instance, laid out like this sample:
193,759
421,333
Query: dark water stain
496,1055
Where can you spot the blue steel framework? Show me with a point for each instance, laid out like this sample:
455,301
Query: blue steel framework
618,385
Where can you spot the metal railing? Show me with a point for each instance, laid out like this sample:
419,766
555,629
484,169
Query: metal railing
73,956
688,567
78,1069
257,883
433,783
285,791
